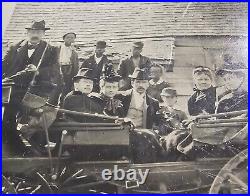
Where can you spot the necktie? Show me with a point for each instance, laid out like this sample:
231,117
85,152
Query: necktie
31,46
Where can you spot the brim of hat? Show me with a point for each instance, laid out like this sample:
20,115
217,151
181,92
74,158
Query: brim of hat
139,47
37,28
81,77
133,77
221,71
100,47
168,95
68,34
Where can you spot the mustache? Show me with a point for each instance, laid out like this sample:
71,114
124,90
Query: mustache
35,38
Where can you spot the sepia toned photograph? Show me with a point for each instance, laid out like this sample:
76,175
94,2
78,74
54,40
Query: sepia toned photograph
124,97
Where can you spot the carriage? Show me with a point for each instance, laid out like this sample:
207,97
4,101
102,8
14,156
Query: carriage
75,168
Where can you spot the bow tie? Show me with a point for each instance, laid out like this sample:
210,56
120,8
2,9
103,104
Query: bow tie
31,47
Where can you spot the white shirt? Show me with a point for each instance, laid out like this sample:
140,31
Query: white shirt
138,99
136,61
97,60
30,52
151,82
65,55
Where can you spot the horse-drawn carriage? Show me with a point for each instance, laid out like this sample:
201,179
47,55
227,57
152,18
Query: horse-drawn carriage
85,150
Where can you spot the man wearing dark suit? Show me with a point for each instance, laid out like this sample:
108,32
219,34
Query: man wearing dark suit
97,62
20,64
128,65
138,105
69,63
141,109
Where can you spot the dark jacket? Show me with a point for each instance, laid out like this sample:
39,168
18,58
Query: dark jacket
154,90
127,67
235,101
202,101
77,101
170,120
152,108
110,107
49,75
97,69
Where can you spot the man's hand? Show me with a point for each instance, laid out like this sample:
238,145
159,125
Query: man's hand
188,121
31,68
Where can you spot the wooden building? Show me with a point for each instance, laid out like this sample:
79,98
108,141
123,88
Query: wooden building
182,35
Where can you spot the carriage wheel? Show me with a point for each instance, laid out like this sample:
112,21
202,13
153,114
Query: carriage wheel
233,177
7,186
65,181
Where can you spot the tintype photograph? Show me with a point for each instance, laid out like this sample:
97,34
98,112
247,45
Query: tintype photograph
124,97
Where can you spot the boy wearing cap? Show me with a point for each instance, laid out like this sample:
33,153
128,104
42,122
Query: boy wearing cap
204,97
78,100
171,117
236,97
128,65
97,62
68,60
156,84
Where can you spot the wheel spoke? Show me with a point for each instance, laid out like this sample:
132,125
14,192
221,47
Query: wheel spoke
238,181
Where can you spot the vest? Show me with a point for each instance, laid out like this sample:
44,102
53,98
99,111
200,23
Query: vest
136,114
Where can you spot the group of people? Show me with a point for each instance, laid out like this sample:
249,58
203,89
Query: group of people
136,91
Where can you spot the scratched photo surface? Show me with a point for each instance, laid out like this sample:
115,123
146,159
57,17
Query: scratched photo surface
124,97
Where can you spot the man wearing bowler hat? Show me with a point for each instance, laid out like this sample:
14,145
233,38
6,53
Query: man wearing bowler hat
141,109
68,60
20,65
138,105
128,65
97,62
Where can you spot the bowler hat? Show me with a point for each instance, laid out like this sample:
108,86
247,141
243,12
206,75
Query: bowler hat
84,73
37,25
169,92
101,44
68,34
109,74
140,74
138,45
231,67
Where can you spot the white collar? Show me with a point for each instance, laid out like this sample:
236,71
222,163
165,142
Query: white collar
64,46
138,94
98,57
151,82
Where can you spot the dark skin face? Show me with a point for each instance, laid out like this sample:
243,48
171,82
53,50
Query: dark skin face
136,51
99,51
69,39
155,73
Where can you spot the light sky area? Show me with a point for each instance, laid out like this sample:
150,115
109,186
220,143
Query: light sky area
7,10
